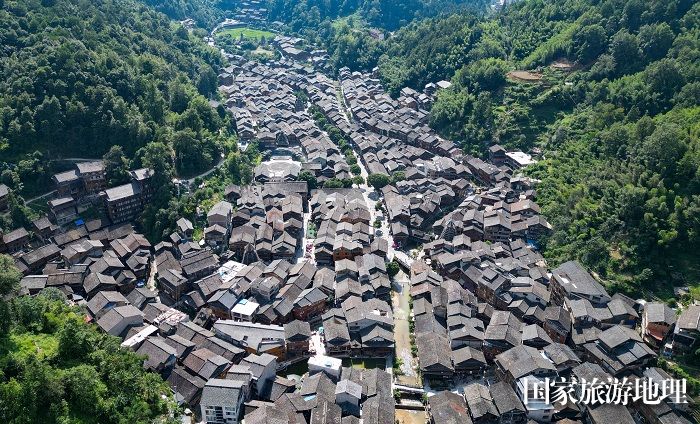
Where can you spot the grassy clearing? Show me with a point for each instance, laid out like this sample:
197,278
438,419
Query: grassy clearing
365,363
354,21
42,345
250,33
263,53
23,345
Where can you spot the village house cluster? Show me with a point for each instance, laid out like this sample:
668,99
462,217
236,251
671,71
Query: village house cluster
267,316
86,185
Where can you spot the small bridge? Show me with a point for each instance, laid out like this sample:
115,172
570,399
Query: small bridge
409,389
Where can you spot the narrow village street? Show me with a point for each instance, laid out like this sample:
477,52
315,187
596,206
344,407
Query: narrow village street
372,197
402,335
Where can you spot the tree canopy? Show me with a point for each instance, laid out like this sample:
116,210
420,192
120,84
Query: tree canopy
93,75
56,368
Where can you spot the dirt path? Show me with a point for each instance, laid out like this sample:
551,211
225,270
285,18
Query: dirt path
404,416
402,334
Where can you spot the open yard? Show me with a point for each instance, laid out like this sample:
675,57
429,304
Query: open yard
300,368
404,416
246,32
525,76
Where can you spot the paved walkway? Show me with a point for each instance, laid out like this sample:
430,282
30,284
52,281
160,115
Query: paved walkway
221,162
317,344
34,199
368,190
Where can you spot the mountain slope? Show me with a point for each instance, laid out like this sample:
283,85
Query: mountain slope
57,368
80,76
206,13
612,100
386,14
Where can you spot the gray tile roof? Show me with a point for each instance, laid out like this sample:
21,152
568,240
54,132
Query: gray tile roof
689,319
221,392
657,312
479,401
349,387
575,279
296,328
122,192
448,408
521,361
505,398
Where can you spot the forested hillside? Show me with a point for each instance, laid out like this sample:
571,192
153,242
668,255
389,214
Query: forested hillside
351,30
310,16
206,13
612,100
56,368
385,14
80,76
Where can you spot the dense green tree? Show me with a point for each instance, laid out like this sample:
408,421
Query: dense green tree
207,84
240,164
309,177
663,149
392,268
665,78
450,109
160,158
192,155
356,49
88,378
655,40
333,183
378,181
625,51
29,313
487,74
589,42
84,389
632,14
478,130
9,275
9,281
75,341
116,166
154,103
397,176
